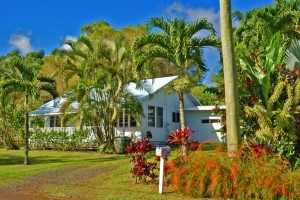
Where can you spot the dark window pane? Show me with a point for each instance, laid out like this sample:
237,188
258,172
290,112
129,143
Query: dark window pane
175,117
132,122
52,120
151,116
205,121
159,117
214,121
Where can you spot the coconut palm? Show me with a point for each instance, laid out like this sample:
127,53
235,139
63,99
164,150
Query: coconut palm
178,42
230,78
23,78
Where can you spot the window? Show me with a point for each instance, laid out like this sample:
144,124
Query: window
126,121
132,122
214,121
159,117
121,120
155,116
175,117
205,121
151,116
52,121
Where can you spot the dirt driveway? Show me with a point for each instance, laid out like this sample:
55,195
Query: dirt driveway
32,187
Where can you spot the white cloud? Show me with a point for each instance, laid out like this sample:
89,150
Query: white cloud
66,46
21,43
193,13
71,38
180,10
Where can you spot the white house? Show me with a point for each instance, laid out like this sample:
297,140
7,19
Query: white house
160,110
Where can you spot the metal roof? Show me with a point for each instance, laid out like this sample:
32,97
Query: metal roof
148,87
140,91
53,107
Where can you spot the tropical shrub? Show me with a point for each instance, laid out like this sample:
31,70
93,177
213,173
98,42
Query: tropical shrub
182,138
277,121
59,140
141,168
252,174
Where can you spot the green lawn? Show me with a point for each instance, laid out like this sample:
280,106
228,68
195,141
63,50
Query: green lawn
114,181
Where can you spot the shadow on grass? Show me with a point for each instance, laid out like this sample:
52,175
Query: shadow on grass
11,159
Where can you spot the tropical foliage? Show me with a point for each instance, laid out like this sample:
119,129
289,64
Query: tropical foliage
103,68
252,173
95,69
141,168
258,25
22,78
176,43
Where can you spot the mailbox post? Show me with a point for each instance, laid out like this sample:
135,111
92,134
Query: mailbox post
162,152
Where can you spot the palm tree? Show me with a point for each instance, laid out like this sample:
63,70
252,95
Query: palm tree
230,78
178,44
293,57
258,25
24,79
103,69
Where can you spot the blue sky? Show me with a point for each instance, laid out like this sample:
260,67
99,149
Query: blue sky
32,25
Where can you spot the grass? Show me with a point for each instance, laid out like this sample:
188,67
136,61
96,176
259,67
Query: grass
114,183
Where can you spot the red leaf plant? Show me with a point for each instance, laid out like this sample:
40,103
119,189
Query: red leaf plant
181,137
141,167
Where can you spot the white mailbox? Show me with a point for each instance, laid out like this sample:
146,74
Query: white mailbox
163,151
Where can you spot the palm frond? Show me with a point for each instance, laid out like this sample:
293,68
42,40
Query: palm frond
201,24
46,79
155,38
210,41
160,22
50,89
293,56
237,15
87,42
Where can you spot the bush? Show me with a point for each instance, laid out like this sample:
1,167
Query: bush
253,174
60,140
141,167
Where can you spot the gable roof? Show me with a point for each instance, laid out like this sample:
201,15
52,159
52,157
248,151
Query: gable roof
148,87
53,107
140,91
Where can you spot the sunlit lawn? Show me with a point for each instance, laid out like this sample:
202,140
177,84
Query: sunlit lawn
111,184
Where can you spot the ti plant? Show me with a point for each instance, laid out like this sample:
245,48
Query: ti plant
182,138
141,167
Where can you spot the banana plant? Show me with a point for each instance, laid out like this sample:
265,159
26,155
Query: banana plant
263,68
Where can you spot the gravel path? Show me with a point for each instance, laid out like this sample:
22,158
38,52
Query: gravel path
32,187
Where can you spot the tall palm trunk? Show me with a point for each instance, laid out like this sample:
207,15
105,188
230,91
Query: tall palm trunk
230,78
181,110
184,147
26,160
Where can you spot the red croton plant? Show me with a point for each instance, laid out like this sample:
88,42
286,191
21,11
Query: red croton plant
181,137
141,167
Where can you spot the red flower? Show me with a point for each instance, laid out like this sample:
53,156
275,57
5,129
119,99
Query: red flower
186,159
